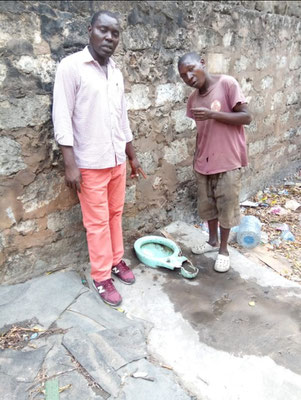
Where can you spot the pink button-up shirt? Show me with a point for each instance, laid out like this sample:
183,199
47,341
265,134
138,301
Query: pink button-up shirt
89,111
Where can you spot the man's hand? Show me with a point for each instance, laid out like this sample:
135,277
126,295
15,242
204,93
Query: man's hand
201,113
134,163
136,169
239,116
73,177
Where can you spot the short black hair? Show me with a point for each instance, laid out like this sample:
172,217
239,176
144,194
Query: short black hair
189,56
101,12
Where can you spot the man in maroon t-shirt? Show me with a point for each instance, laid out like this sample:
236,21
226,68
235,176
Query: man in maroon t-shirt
219,109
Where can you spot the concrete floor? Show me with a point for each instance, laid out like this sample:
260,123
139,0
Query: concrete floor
221,347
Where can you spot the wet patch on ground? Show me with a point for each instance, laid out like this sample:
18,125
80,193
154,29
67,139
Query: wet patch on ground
237,316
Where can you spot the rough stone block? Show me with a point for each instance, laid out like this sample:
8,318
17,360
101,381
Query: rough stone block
29,111
11,160
148,161
292,148
267,82
261,63
292,99
185,174
137,37
3,72
277,100
241,64
46,258
182,123
130,194
138,98
256,147
42,66
169,93
25,227
246,85
177,152
42,191
227,39
218,63
62,219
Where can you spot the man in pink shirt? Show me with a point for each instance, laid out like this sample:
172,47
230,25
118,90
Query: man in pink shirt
219,109
92,128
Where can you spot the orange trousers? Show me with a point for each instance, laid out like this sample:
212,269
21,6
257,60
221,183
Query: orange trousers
102,200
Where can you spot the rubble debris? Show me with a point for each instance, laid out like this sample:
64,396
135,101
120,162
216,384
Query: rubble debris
279,212
18,337
142,375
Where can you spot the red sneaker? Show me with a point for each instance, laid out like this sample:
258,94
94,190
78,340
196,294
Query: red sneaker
108,292
123,272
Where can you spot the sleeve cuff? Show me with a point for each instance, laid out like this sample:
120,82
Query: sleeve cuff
65,141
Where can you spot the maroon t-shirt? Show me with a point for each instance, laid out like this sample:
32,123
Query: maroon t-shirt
219,147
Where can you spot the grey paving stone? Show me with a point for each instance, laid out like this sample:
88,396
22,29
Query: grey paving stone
10,389
90,357
90,307
163,387
22,365
41,299
75,387
70,319
79,389
129,343
58,359
18,369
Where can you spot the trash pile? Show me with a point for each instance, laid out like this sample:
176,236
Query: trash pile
18,337
279,211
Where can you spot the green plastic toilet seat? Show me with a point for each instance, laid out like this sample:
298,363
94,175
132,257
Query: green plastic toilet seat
157,251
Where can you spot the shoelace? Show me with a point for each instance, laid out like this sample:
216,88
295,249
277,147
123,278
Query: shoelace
122,266
107,286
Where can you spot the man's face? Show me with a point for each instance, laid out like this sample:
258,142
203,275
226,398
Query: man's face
104,35
193,74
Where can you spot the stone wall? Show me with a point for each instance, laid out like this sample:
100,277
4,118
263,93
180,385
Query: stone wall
257,42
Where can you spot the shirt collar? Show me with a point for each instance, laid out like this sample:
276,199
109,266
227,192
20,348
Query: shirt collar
87,57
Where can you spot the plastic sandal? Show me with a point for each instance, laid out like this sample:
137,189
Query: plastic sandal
222,263
203,248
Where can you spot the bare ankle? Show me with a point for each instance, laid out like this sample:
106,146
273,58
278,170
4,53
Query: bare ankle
223,251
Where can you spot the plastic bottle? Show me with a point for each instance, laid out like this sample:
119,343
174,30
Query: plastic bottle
287,235
249,232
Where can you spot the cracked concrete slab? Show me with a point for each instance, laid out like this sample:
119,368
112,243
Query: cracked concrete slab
28,301
10,389
17,370
219,346
94,314
58,362
90,357
164,386
79,389
129,343
22,364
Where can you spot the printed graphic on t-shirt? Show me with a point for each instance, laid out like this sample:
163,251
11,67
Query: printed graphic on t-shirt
215,105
